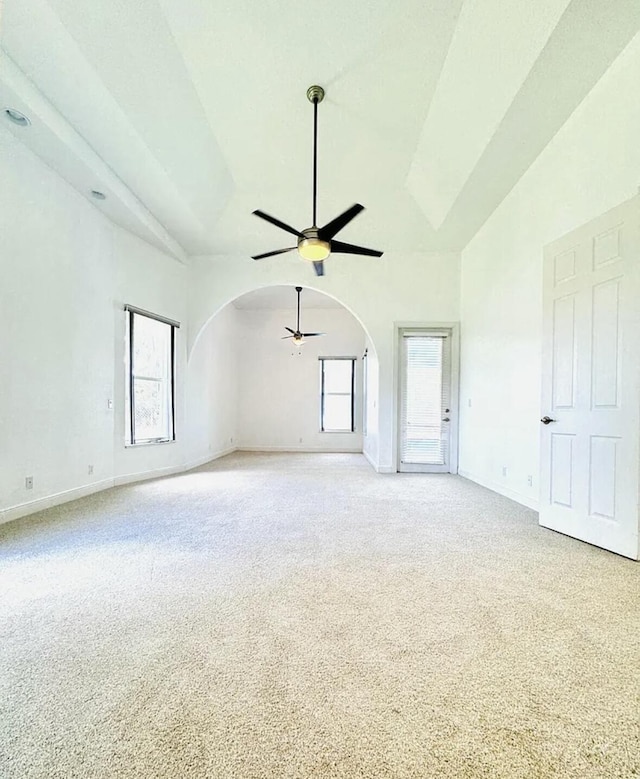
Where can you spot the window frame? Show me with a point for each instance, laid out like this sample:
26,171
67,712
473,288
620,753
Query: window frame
130,439
352,393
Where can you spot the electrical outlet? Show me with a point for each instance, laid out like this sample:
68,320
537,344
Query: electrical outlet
90,470
300,440
28,483
504,470
109,403
530,480
231,440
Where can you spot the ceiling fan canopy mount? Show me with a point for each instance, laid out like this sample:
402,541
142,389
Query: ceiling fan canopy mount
315,94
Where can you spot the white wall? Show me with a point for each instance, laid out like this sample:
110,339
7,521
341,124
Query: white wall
279,383
591,165
412,288
57,348
66,271
212,389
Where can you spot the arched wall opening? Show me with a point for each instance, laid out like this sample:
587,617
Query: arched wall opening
248,388
203,319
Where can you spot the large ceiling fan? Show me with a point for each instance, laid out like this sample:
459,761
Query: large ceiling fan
298,337
316,243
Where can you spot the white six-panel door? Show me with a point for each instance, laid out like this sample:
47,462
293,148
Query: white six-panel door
590,426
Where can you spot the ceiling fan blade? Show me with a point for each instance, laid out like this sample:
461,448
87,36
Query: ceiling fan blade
284,337
319,268
327,232
271,254
311,335
278,223
293,332
349,248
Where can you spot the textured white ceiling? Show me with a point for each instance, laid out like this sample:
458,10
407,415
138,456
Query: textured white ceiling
190,114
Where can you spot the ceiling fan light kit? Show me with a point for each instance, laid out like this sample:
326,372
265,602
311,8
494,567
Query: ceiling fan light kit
315,243
313,248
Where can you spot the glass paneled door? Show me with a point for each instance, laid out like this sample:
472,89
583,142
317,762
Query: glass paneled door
425,401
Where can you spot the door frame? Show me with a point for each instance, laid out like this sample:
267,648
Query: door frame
453,329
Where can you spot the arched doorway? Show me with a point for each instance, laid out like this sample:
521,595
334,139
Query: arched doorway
250,387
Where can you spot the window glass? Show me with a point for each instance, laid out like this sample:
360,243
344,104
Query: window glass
337,375
150,385
151,347
336,396
337,412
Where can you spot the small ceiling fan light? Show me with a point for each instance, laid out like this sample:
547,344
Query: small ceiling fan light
298,341
314,249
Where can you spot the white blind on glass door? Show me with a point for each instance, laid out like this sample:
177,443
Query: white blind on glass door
426,393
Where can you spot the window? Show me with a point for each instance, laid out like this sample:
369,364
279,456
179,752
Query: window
337,378
151,377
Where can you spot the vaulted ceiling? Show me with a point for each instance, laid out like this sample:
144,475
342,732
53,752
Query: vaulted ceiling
190,114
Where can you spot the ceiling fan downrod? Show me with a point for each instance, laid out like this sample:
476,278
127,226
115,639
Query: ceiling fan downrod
298,290
315,95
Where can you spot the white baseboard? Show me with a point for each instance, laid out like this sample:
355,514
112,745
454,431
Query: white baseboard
298,449
524,500
386,469
156,473
58,498
370,460
33,506
210,457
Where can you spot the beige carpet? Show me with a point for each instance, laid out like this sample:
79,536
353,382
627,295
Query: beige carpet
301,616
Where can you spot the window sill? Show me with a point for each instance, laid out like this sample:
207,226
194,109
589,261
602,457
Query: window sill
348,432
149,443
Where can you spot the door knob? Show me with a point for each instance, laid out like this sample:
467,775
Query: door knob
445,419
547,420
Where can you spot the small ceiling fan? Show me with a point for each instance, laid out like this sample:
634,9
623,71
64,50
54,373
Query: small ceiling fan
316,243
298,337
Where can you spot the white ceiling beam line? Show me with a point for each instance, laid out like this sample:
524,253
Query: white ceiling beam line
493,48
590,35
56,142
